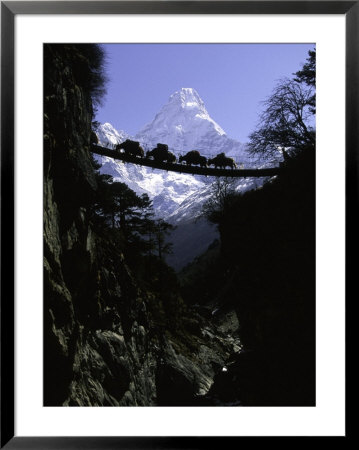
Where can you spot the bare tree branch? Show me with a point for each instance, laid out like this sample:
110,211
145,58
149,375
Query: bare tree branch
287,120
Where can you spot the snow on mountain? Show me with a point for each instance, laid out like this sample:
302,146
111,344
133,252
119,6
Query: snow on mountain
167,189
183,124
108,136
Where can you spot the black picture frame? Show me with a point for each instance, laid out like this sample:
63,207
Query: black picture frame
9,9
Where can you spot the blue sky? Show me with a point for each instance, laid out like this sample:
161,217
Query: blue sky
231,79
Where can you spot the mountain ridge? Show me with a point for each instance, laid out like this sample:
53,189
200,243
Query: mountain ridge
184,124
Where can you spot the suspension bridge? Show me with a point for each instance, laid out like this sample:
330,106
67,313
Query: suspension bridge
184,168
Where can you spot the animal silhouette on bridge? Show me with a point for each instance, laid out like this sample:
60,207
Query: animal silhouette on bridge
132,148
161,154
222,161
193,157
195,164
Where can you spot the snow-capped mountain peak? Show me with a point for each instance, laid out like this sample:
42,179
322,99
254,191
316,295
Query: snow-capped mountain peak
109,136
187,98
183,123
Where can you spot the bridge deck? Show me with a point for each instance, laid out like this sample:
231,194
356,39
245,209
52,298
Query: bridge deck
182,168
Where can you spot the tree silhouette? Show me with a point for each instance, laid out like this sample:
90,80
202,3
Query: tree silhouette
222,191
308,75
308,72
157,234
287,123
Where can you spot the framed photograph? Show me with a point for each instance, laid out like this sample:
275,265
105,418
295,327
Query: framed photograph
178,183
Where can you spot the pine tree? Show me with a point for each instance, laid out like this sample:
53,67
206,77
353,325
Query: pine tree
159,232
308,75
308,72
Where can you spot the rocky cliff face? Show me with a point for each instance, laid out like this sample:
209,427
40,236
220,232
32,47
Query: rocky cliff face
103,341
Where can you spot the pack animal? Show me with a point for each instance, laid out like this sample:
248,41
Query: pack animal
193,157
222,161
203,161
171,157
161,154
132,148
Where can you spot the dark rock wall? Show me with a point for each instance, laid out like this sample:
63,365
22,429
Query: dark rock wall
96,349
101,344
268,240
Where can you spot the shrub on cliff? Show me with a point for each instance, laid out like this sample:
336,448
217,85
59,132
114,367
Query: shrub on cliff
87,63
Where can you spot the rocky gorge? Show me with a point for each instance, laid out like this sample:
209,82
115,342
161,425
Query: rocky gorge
235,326
108,339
